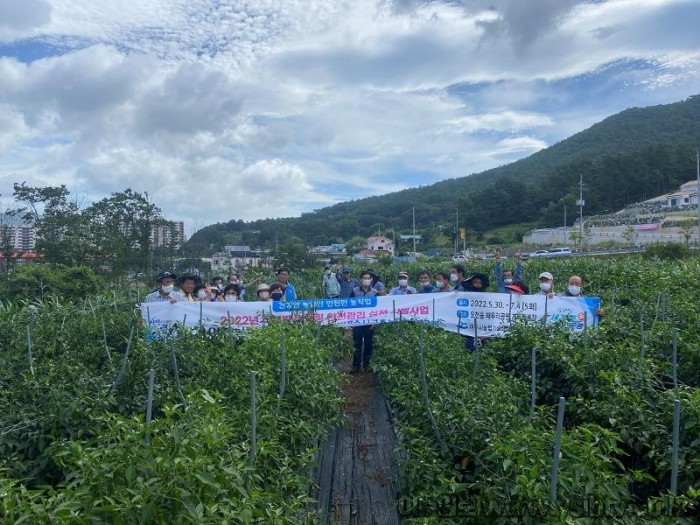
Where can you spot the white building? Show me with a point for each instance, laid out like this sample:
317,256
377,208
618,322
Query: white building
19,238
686,196
235,258
380,244
168,233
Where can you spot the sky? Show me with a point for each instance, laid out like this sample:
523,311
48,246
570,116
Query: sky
246,109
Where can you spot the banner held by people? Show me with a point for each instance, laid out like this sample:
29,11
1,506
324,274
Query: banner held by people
493,313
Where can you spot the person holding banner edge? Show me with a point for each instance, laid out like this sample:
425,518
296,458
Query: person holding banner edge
362,336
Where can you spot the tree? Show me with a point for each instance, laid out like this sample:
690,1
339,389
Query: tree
294,255
62,234
630,234
120,231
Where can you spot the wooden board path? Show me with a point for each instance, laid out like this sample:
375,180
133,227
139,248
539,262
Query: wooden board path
357,476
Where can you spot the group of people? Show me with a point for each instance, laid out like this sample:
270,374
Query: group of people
339,282
191,288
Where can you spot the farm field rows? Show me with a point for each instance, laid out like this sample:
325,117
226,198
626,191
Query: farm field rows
75,446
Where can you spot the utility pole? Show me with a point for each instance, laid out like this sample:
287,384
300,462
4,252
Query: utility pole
580,203
566,239
414,231
457,232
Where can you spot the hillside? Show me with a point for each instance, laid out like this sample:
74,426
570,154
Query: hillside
628,157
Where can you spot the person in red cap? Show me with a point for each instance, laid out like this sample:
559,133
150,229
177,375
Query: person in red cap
518,287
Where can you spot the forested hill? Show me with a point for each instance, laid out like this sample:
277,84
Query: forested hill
631,156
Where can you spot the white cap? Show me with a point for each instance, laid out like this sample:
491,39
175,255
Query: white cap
546,275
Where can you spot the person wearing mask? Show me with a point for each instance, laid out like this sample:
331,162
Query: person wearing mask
402,288
166,289
575,289
546,284
231,294
456,277
205,292
331,286
263,293
187,283
442,282
290,294
517,288
218,282
424,282
277,292
506,277
362,336
347,283
376,283
476,283
236,278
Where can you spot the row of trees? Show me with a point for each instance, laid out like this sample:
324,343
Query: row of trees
112,236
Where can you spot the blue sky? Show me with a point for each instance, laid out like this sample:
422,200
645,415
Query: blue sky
243,109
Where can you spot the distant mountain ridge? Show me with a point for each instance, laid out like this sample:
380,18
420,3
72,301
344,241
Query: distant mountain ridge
627,157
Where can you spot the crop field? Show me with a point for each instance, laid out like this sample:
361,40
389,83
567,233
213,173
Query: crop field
100,423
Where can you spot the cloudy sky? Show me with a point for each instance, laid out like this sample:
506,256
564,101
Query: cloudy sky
228,109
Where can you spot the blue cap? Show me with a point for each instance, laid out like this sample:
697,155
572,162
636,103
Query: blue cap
345,269
165,273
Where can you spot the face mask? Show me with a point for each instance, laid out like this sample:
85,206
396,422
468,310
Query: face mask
574,290
264,296
425,284
545,287
366,282
507,281
201,294
168,288
439,284
328,272
403,282
230,298
453,277
276,296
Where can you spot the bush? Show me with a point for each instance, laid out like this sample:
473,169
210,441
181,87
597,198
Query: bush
40,281
667,251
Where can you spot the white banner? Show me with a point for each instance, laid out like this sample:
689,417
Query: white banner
485,314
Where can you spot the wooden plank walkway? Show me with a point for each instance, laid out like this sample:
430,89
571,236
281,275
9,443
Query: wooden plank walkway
357,477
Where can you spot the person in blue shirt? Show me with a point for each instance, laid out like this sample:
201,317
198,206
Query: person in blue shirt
290,294
403,288
347,283
506,277
362,336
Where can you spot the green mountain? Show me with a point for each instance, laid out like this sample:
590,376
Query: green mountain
628,157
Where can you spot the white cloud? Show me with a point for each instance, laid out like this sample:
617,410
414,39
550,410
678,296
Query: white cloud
318,101
19,18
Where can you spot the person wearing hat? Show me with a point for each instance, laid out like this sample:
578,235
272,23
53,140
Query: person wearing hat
331,285
362,336
166,289
546,284
477,282
347,283
376,283
402,288
518,288
263,293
